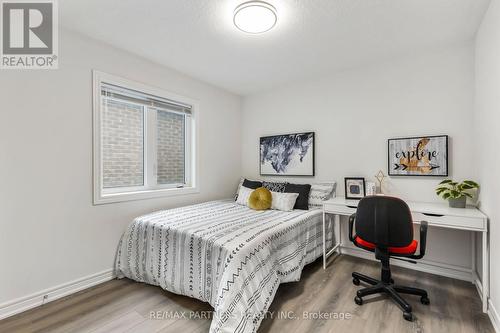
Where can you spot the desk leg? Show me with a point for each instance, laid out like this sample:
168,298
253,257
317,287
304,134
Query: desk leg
486,271
336,237
324,240
338,232
473,250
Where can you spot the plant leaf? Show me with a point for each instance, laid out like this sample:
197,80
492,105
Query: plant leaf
467,195
471,183
442,188
446,195
446,181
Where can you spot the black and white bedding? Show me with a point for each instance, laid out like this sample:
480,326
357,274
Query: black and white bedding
222,253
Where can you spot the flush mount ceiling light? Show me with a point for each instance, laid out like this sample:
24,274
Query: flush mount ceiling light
255,17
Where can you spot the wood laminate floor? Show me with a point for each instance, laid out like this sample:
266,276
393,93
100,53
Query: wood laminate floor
127,306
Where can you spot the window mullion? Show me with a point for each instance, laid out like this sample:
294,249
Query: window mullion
188,181
150,148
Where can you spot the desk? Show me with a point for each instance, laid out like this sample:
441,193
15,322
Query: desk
437,215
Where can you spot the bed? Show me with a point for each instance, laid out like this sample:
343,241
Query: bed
222,253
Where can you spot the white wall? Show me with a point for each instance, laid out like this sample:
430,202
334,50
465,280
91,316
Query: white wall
354,113
50,232
487,123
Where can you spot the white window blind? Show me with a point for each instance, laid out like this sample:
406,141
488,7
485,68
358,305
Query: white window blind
136,97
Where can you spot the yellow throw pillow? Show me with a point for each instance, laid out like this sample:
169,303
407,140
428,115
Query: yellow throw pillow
260,199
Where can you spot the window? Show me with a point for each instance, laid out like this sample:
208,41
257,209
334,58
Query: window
143,141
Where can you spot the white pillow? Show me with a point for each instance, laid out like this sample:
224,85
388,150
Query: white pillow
283,201
238,188
243,195
320,193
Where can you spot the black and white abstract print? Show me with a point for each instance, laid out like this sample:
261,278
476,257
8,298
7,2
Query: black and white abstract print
287,155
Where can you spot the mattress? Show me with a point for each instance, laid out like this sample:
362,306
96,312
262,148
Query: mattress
222,253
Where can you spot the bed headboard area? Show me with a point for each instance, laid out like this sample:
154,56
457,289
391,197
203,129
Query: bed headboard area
311,195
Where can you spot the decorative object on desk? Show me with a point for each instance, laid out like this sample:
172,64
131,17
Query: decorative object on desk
287,155
371,188
380,178
354,188
456,193
418,156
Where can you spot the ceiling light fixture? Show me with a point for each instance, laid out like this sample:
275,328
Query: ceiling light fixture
255,17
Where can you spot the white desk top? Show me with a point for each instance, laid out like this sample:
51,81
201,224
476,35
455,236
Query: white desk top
422,207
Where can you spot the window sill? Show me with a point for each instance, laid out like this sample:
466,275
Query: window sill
101,199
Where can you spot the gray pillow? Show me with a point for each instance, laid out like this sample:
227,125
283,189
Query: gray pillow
321,192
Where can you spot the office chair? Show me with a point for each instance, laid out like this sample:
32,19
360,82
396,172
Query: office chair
384,226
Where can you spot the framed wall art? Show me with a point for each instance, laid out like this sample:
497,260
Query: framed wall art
418,156
355,188
287,155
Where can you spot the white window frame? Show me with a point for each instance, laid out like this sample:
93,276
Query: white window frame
150,189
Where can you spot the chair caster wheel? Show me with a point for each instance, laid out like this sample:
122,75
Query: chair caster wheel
425,300
355,281
358,300
408,316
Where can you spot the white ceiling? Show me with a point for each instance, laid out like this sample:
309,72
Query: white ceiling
197,37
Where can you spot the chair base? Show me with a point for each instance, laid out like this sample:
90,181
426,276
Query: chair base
391,289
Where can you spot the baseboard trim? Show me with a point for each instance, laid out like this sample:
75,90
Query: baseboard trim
22,304
493,314
452,271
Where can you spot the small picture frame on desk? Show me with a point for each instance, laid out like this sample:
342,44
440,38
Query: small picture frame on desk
355,188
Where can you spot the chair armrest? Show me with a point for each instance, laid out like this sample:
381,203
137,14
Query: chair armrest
423,240
423,237
352,218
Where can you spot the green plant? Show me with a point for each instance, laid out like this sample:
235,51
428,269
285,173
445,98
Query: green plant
448,189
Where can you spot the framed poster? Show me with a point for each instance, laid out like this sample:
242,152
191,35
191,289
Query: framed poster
418,156
287,155
355,188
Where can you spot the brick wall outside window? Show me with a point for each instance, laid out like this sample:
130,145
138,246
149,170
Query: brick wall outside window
170,148
122,143
123,140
